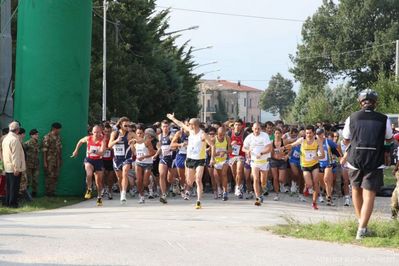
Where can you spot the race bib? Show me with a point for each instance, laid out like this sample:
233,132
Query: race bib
119,150
93,149
220,150
107,154
310,155
166,150
236,150
195,150
296,154
325,155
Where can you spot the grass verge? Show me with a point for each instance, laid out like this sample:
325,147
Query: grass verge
385,233
40,204
389,178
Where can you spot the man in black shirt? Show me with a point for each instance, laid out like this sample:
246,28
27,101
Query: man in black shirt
365,132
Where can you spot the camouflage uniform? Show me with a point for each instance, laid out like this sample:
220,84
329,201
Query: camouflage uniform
32,148
52,146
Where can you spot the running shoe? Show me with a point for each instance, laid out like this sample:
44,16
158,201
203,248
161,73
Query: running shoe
306,192
283,189
258,202
88,194
237,191
330,202
198,205
141,200
266,192
321,199
276,198
294,188
99,202
132,193
187,195
301,198
150,194
240,195
109,195
310,190
215,195
123,197
225,196
163,199
361,233
347,201
314,206
250,195
261,199
103,192
220,192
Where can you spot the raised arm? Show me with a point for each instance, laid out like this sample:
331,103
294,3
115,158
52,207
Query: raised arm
178,122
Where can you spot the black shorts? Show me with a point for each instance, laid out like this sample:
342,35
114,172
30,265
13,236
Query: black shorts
322,169
108,165
280,164
192,164
167,160
97,164
310,169
368,179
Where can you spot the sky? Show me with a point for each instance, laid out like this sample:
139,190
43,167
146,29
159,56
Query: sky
246,49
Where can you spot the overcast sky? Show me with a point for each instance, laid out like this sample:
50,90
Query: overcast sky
247,49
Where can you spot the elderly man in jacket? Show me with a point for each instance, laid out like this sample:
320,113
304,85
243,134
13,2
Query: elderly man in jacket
14,164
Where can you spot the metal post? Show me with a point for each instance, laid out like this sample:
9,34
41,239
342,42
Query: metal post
205,105
397,61
104,109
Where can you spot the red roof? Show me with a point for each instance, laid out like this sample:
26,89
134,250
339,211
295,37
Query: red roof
232,86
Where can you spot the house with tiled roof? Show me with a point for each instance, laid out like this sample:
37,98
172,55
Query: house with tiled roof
222,98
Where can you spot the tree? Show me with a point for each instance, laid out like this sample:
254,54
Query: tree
388,95
147,74
279,96
352,39
343,99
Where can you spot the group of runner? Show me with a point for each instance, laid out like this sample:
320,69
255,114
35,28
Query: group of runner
176,154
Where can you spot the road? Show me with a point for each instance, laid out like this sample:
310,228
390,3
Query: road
222,233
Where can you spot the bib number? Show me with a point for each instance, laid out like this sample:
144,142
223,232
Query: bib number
119,150
236,150
310,155
107,154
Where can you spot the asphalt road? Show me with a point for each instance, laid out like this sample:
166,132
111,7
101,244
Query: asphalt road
222,233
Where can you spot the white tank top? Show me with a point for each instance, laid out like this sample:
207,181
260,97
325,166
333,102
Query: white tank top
196,148
141,151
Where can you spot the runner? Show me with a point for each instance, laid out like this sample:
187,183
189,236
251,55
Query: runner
278,163
93,162
258,147
295,163
237,156
196,154
144,151
326,165
165,155
310,148
180,141
221,149
109,175
209,168
119,142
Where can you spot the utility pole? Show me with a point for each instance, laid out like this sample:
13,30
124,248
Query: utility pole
104,109
397,61
6,101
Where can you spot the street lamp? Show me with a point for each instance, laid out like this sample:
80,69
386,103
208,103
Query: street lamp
176,31
203,48
211,63
208,72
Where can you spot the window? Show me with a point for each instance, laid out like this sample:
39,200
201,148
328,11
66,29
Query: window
232,108
209,104
252,118
250,103
245,102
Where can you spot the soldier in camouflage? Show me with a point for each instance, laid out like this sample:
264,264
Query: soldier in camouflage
52,159
32,149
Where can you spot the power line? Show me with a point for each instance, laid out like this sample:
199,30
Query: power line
8,22
231,14
349,52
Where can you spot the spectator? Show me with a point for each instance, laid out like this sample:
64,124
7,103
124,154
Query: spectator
14,164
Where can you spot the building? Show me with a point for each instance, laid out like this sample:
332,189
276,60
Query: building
221,99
